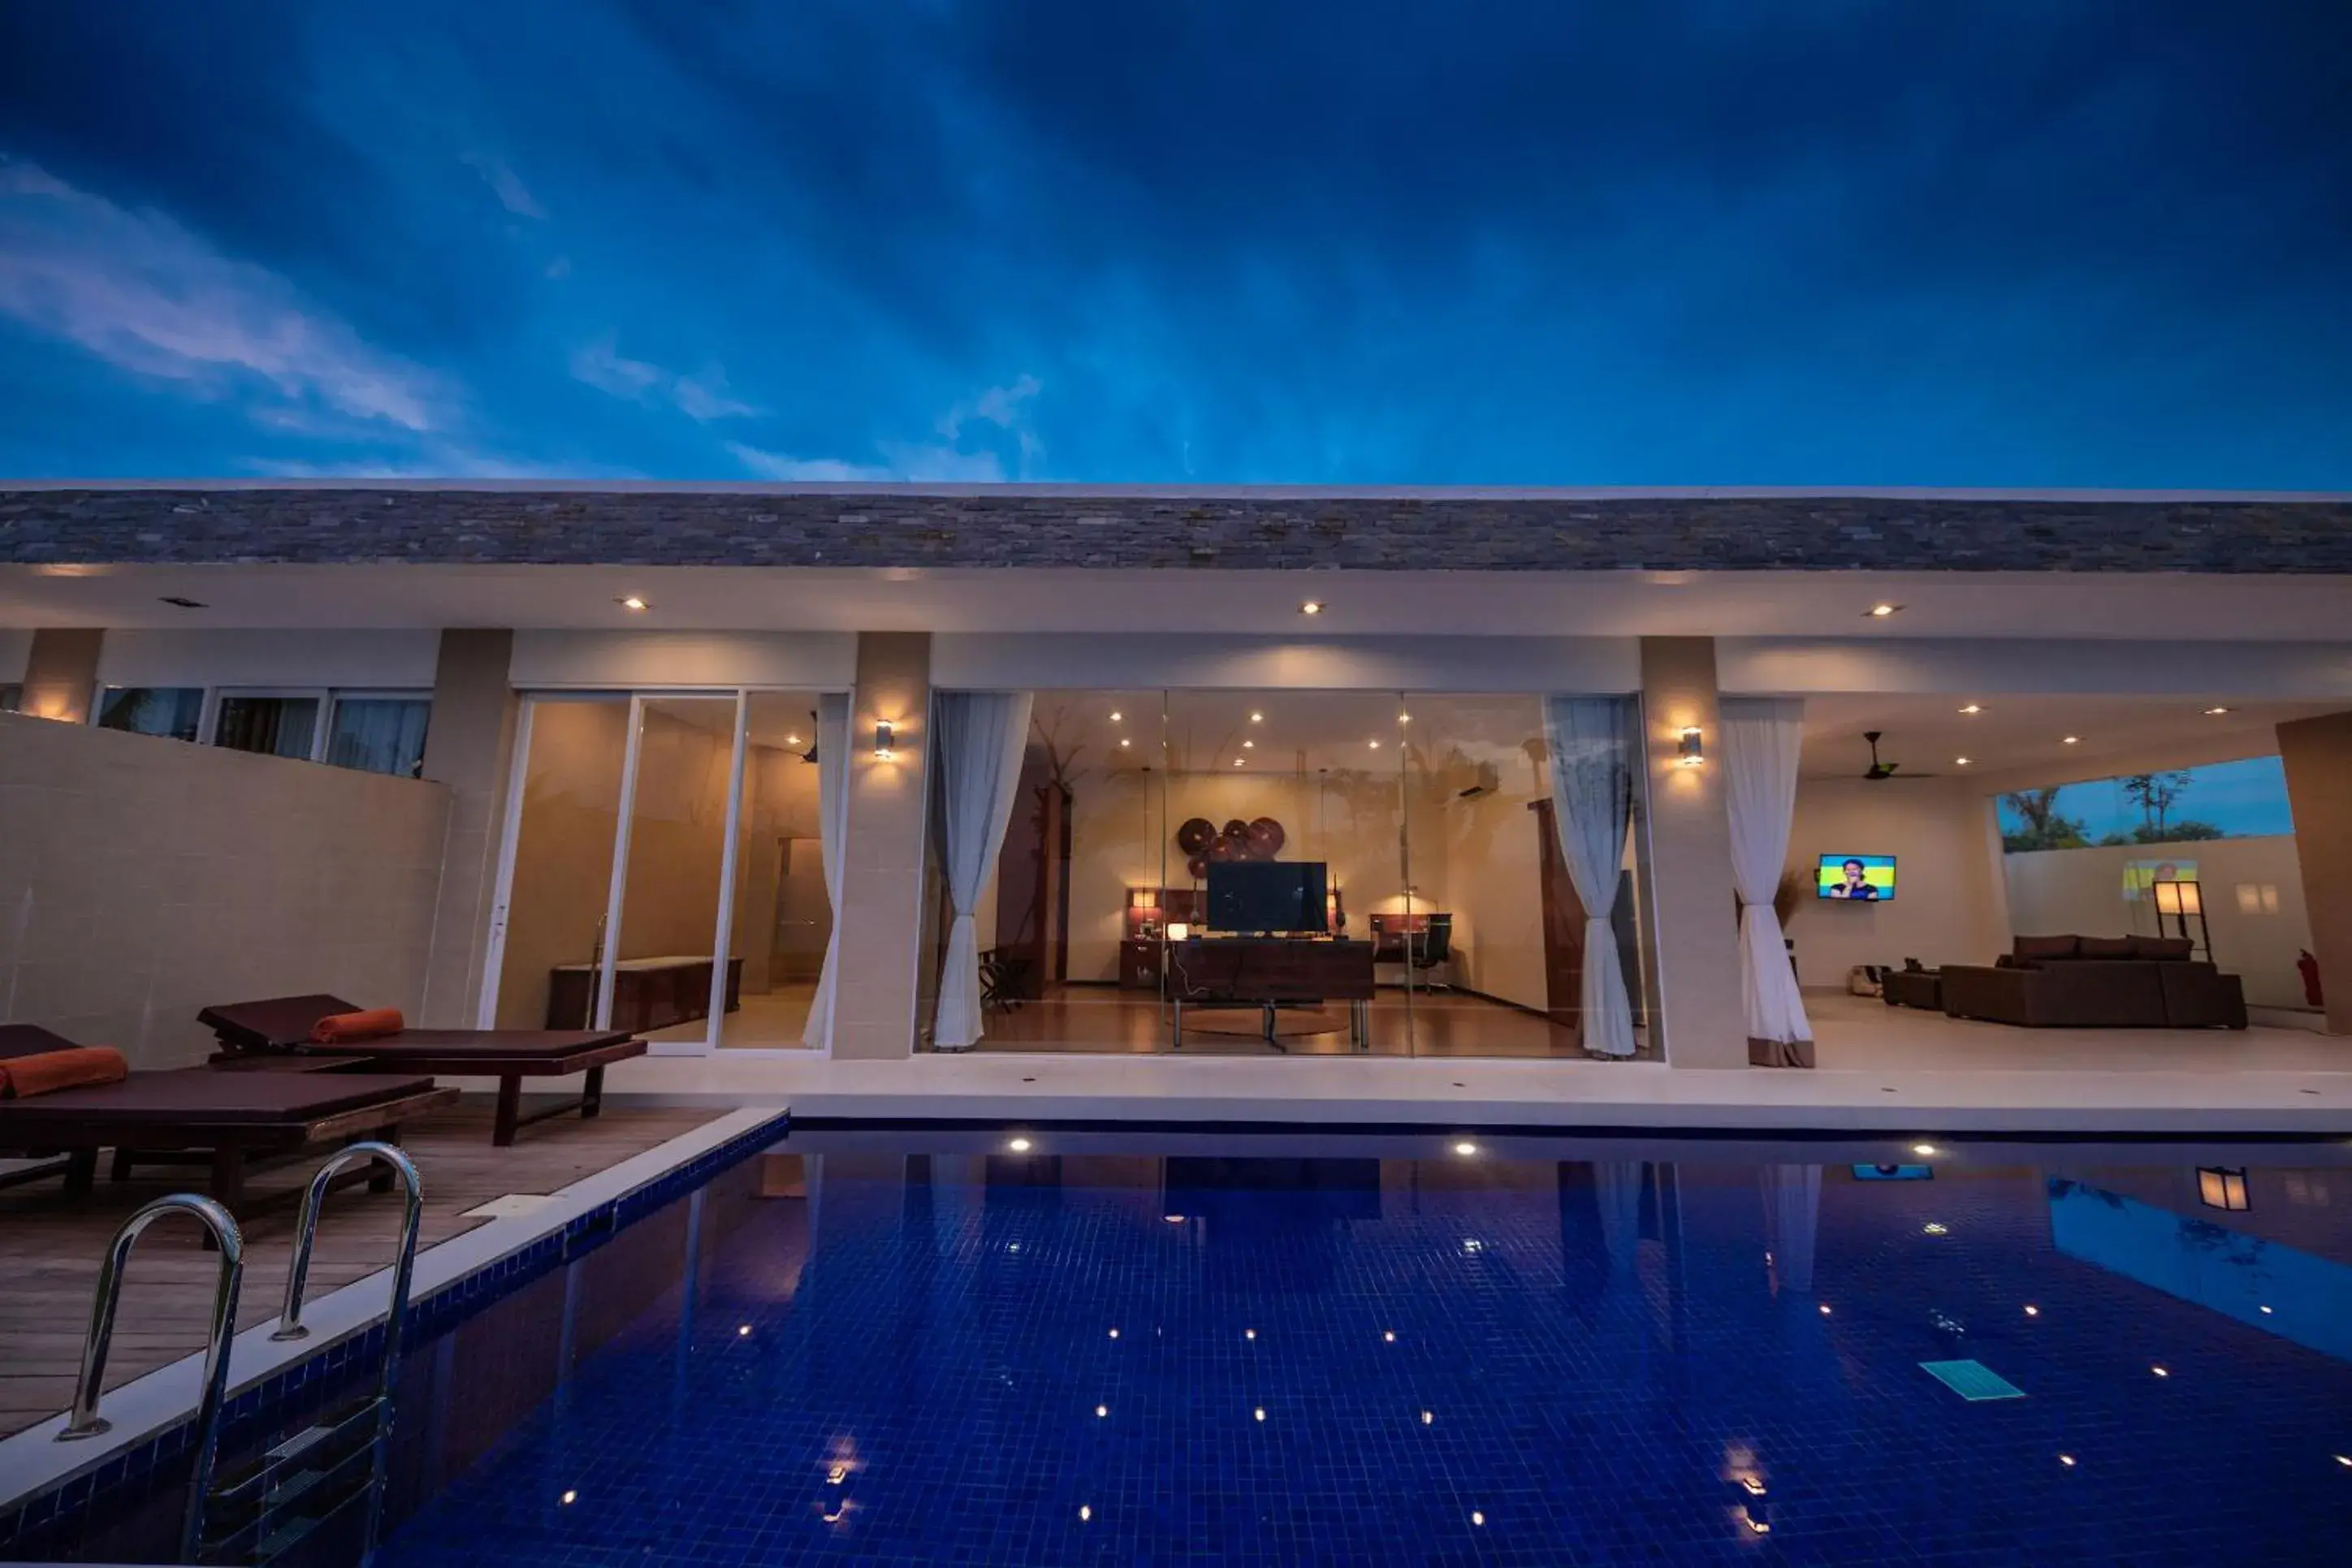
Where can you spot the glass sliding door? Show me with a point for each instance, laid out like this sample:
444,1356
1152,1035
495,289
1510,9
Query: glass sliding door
1309,780
669,972
547,935
782,916
664,870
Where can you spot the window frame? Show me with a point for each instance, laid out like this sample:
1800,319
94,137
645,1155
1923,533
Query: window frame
329,698
95,719
208,730
337,697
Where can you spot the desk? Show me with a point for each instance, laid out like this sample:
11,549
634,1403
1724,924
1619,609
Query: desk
1266,971
647,993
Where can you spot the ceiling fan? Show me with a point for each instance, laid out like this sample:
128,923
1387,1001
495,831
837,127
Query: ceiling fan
1879,772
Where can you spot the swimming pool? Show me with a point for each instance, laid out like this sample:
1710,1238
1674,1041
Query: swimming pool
1061,1348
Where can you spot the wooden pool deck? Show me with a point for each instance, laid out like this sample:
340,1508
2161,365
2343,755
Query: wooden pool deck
51,1245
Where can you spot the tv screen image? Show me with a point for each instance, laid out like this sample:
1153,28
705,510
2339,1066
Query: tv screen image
1267,895
1858,879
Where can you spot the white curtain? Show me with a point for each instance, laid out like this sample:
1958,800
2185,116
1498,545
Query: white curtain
1592,745
832,826
977,739
1760,740
1792,1218
1617,1187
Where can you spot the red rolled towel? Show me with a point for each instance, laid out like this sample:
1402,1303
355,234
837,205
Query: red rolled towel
374,1023
44,1072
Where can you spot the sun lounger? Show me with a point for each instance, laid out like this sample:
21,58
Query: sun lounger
228,1120
276,1031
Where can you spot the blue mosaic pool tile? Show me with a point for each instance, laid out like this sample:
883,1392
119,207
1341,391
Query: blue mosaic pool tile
1597,1386
254,1412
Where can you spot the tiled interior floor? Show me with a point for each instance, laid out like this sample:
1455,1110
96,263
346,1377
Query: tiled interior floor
766,1020
1419,1023
1862,1033
51,1244
1852,1033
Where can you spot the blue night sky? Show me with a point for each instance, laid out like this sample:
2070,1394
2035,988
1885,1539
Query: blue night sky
1866,241
2242,798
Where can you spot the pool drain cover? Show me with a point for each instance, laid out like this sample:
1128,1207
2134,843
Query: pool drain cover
1972,1380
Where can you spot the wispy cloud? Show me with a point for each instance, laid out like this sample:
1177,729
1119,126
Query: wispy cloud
504,183
902,464
702,396
145,295
1005,407
436,462
948,461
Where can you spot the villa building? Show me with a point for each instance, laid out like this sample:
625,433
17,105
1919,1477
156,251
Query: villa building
877,771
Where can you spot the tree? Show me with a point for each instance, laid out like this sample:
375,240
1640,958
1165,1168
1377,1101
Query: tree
2179,833
2154,793
2043,828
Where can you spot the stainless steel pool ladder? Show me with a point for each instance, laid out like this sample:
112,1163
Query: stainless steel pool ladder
310,1477
84,1421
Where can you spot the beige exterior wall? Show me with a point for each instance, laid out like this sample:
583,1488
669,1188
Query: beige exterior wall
468,747
881,914
61,673
2317,753
1684,836
142,879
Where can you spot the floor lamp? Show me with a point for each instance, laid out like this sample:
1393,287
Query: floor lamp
2178,900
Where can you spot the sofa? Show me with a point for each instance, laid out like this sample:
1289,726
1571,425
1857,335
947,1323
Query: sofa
2096,982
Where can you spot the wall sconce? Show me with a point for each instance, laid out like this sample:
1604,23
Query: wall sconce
1690,751
885,741
2219,1186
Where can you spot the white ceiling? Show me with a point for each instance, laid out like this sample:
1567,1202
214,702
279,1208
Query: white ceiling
1282,731
1928,733
1308,731
1358,603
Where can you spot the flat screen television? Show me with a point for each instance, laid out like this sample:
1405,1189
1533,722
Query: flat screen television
1267,895
1859,879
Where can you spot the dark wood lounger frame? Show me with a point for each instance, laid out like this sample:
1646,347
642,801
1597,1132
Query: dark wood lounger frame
232,1150
257,1040
229,1139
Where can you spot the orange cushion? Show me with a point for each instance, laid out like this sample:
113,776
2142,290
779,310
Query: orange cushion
373,1023
22,1077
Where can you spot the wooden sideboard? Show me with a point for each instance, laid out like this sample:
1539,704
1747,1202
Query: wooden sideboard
648,994
1267,971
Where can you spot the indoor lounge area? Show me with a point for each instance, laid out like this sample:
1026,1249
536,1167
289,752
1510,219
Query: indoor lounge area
1315,872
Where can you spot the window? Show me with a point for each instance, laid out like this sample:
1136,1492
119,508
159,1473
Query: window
172,711
372,732
380,735
273,727
12,699
2222,800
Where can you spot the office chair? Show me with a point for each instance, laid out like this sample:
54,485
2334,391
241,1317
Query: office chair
1432,946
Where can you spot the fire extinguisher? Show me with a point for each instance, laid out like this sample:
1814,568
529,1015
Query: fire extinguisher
2308,967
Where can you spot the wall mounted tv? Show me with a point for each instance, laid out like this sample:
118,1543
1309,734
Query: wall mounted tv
1267,895
1857,879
